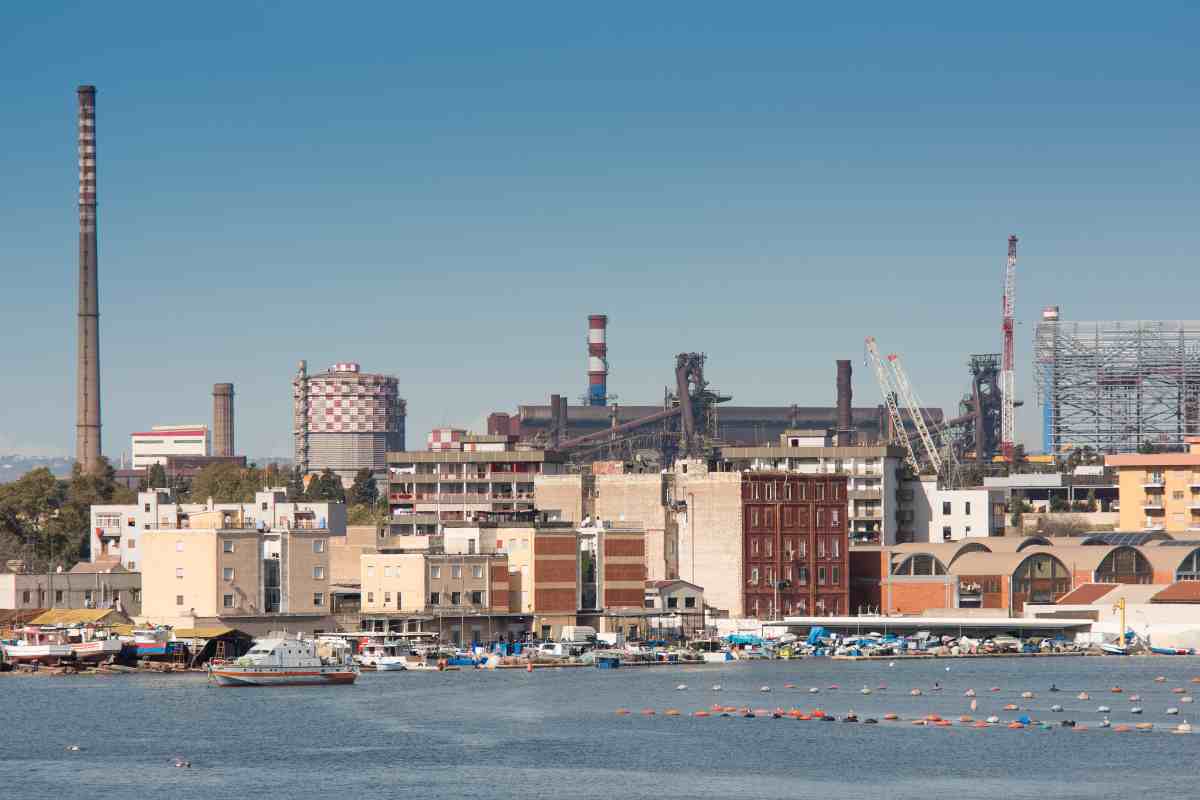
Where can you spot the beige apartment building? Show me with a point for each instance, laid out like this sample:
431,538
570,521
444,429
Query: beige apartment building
1159,491
217,569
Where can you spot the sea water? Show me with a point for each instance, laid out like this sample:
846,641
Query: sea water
556,733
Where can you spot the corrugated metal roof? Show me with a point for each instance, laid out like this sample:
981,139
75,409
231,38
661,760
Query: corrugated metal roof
78,616
1121,537
202,633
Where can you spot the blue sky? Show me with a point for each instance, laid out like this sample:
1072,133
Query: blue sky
445,193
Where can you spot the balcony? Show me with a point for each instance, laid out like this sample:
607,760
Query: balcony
1155,506
1153,482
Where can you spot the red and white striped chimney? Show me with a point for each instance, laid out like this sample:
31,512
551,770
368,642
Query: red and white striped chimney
597,360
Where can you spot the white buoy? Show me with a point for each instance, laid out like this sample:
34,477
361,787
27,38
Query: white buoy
73,748
864,690
1056,707
813,690
1186,699
993,720
1135,710
716,687
969,693
1183,727
947,669
891,663
1103,710
1104,723
1172,711
764,688
681,687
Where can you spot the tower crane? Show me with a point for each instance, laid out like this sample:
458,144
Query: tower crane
909,395
889,397
1007,381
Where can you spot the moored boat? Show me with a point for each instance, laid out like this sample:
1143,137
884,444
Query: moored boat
281,660
34,643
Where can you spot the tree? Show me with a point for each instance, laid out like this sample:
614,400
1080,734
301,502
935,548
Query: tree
326,487
226,483
295,486
156,477
1146,448
364,491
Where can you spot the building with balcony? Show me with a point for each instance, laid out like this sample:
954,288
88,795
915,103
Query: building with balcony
1159,491
880,508
116,529
468,477
220,570
86,585
944,515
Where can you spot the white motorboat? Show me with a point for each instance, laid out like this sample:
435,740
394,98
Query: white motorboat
283,661
388,656
35,643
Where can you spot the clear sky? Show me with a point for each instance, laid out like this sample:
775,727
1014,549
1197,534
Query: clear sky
444,192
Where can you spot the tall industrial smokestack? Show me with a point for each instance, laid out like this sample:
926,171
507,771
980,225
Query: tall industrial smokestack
87,400
845,394
597,360
222,419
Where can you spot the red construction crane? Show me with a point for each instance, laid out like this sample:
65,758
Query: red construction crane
1007,382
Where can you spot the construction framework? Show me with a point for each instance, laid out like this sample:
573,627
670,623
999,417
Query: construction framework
1113,386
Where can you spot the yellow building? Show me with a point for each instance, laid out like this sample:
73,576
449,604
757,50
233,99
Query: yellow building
217,568
1159,491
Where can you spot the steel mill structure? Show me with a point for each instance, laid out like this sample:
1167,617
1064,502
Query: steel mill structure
222,442
87,399
1112,386
597,393
1008,424
346,420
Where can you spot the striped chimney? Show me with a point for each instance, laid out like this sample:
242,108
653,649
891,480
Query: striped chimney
597,360
87,400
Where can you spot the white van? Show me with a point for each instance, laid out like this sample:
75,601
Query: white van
580,634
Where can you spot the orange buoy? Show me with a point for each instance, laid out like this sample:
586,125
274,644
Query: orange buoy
918,722
789,686
1016,726
965,718
529,667
647,712
700,714
1196,679
1179,690
1010,707
994,689
981,725
890,717
1145,726
933,718
729,710
817,713
1121,729
943,723
1117,690
804,717
672,712
621,712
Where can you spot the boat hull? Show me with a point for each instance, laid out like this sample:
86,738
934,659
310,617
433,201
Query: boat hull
98,650
314,676
42,653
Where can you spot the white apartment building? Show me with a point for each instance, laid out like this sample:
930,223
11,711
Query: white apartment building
155,445
948,515
880,508
116,528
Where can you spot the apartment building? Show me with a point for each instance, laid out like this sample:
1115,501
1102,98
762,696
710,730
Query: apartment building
1159,491
116,529
880,508
468,477
220,568
161,442
86,585
944,515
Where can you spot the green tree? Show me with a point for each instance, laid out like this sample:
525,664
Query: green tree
156,477
225,483
326,487
295,486
364,491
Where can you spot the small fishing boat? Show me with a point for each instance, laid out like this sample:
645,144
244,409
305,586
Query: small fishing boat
1114,649
34,643
383,656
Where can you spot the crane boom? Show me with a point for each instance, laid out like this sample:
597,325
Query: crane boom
909,396
1007,380
889,397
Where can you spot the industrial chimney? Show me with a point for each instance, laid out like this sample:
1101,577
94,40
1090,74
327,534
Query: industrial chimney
222,419
87,378
845,393
597,394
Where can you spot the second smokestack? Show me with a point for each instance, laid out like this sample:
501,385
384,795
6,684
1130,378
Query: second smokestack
845,395
222,419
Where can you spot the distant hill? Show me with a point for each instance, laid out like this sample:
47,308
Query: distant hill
13,467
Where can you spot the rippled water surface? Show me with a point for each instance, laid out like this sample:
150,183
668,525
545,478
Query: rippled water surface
511,734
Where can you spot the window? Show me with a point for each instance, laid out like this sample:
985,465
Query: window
787,574
387,597
455,571
787,491
455,598
398,600
264,505
769,548
820,576
1176,495
477,571
179,546
836,576
754,576
545,632
802,548
226,545
227,600
835,517
835,547
672,602
227,573
820,547
370,597
179,572
178,599
477,598
946,507
132,544
146,507
649,602
371,571
820,492
318,545
435,572
318,599
689,602
967,507
318,573
25,596
754,517
946,533
820,518
131,566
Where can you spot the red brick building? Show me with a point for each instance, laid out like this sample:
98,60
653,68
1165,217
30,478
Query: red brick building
794,544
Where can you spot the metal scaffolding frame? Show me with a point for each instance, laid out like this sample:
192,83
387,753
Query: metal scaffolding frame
1113,385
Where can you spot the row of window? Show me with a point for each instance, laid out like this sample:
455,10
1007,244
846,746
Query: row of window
795,548
795,517
227,601
228,545
318,573
89,596
435,598
434,571
793,490
824,607
672,602
826,576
